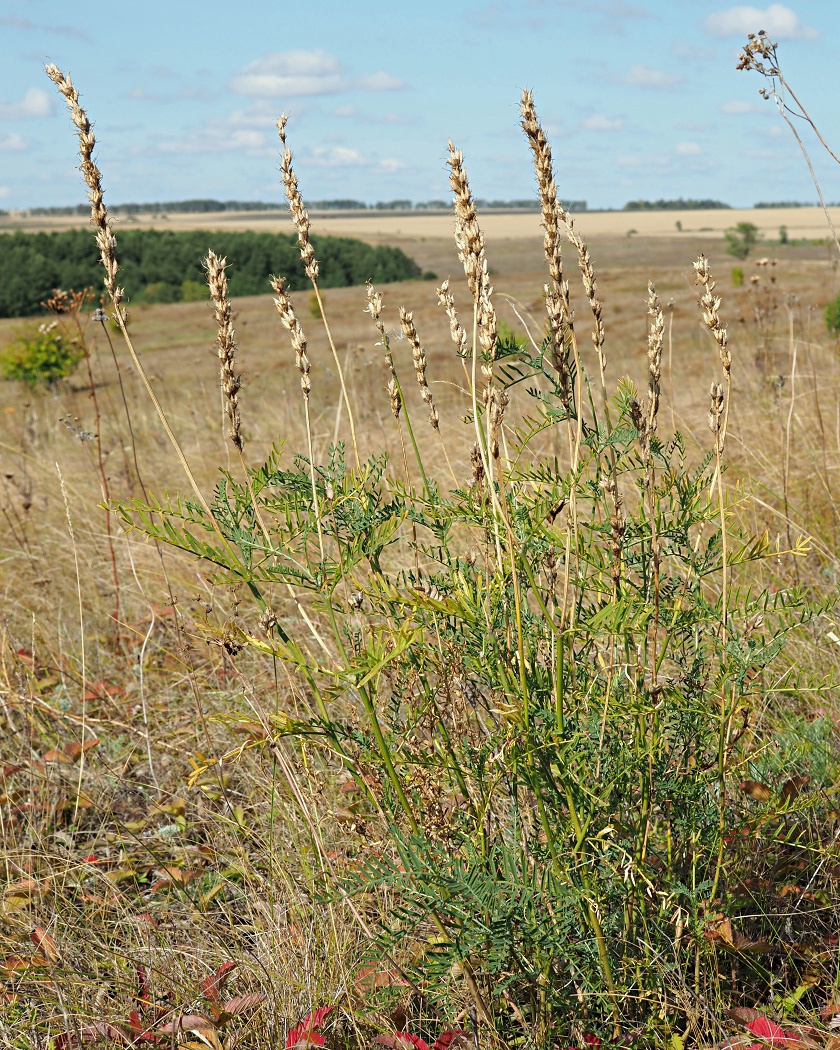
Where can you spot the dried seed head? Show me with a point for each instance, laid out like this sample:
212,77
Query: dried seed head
716,415
558,330
300,217
656,334
552,210
231,382
374,308
709,304
498,401
477,465
395,398
556,222
286,312
459,337
105,239
636,416
618,527
470,243
419,356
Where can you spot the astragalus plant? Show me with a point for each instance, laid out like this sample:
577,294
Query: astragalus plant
538,685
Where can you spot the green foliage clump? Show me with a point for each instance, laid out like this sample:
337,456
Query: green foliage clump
737,277
537,687
832,316
41,357
160,266
741,239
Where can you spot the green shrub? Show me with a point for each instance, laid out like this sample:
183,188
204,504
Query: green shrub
159,292
741,239
193,292
42,356
832,316
737,277
533,685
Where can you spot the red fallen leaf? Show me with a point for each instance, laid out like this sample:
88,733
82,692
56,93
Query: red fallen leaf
371,978
755,789
791,789
447,1038
402,1041
251,729
16,964
10,771
144,995
307,1033
187,1023
92,1033
719,931
45,943
743,1014
769,1031
353,787
212,986
24,888
99,690
241,1004
75,749
56,755
25,656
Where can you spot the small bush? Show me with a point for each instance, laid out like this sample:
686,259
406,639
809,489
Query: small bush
832,316
737,277
193,292
159,292
41,357
741,239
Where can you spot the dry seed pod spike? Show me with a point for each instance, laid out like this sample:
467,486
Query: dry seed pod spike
289,320
300,218
216,270
108,253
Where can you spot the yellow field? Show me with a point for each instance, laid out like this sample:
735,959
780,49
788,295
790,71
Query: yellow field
387,226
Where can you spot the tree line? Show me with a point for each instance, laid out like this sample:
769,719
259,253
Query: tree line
166,266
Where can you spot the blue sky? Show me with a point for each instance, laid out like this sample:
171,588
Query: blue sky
640,98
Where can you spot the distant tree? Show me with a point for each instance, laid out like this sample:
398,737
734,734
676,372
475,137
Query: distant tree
741,239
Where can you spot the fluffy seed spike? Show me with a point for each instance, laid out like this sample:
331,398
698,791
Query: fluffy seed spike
105,239
215,269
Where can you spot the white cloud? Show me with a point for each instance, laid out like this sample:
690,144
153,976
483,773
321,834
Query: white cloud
218,140
392,164
5,191
350,157
652,160
339,157
290,74
641,76
378,82
738,107
260,115
779,22
35,103
687,149
12,143
600,122
345,111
